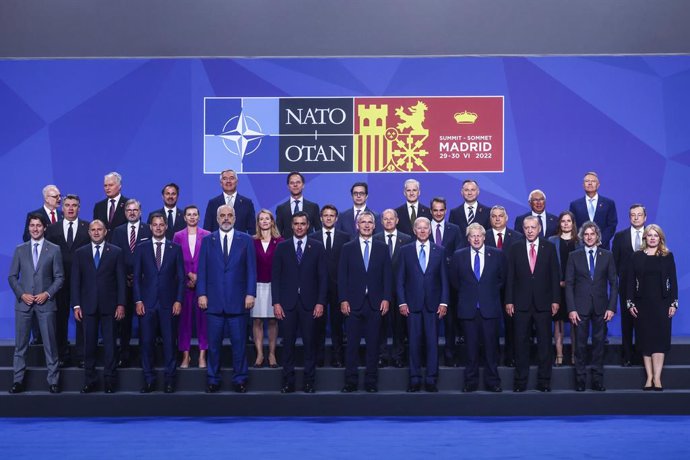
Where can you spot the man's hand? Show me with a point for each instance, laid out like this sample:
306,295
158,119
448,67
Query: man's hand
442,310
141,310
510,309
404,309
384,307
202,301
249,302
608,316
119,312
28,299
278,311
318,310
177,309
42,298
345,308
77,313
554,309
574,318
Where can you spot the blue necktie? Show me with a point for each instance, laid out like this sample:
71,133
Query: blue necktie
591,263
422,258
366,255
299,251
97,257
35,255
477,266
296,210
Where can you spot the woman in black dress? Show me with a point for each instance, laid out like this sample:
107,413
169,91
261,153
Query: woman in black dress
652,298
566,241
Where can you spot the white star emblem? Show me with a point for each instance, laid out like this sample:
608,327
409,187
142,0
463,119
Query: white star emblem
241,135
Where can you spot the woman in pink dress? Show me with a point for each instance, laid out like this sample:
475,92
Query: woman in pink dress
189,239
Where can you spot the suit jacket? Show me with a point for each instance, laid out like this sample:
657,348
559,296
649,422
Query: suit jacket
622,250
121,239
284,217
98,290
56,235
42,212
510,237
306,281
452,239
481,216
226,284
636,278
541,288
47,277
244,214
422,290
339,238
158,288
605,217
346,221
404,224
191,262
401,240
100,211
355,283
551,224
177,226
485,292
588,295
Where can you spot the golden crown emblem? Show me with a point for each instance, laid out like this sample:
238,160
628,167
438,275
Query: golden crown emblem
465,117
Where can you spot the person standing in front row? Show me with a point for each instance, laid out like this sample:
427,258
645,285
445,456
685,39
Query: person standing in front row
226,286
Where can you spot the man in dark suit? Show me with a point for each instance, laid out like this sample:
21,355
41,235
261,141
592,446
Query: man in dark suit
501,237
449,237
49,212
408,212
299,284
226,286
422,291
126,237
470,210
245,217
547,221
158,288
111,210
35,276
532,296
69,233
296,203
98,299
173,215
333,241
625,243
365,289
596,208
394,321
478,272
591,288
347,221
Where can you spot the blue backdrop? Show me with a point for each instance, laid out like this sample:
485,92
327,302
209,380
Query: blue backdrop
69,122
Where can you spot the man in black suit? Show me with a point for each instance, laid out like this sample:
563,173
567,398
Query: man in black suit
111,210
450,238
501,237
126,237
173,215
347,222
333,241
98,299
470,210
49,212
69,233
591,288
625,243
365,288
547,221
245,217
532,296
296,203
299,284
394,321
408,212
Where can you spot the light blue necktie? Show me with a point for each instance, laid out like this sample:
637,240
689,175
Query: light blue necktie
35,255
366,255
591,209
97,257
591,263
422,258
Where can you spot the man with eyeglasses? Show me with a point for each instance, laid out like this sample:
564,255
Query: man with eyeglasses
537,203
347,221
49,212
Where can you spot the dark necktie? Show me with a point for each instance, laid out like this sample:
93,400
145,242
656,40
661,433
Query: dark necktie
171,222
543,227
296,210
499,244
70,235
438,237
97,257
329,241
158,255
413,217
111,213
299,252
591,263
132,239
470,214
226,252
390,245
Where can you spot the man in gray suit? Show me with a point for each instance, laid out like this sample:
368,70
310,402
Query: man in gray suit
35,276
591,291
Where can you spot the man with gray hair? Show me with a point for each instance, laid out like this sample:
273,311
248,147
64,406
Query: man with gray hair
49,212
412,208
243,206
111,210
537,203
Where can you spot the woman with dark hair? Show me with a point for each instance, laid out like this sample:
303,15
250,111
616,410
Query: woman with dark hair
653,300
566,241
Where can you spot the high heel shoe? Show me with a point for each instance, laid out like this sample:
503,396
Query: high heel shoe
185,360
559,361
272,362
259,362
202,359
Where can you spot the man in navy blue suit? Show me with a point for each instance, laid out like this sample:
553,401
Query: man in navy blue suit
173,215
596,208
226,286
470,210
111,210
299,284
547,221
296,203
347,221
422,287
243,206
365,288
478,272
98,300
158,289
50,212
408,212
450,238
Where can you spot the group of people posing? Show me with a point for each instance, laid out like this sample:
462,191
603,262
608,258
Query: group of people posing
305,265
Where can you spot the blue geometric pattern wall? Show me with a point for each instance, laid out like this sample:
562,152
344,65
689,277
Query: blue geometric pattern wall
68,122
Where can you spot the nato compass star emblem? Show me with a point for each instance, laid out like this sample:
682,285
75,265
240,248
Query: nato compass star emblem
241,135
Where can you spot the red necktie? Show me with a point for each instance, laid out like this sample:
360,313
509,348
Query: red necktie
532,257
52,217
499,245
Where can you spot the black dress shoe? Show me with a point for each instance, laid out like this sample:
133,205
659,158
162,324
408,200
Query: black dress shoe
494,388
80,364
54,389
598,387
88,388
544,388
169,388
309,388
62,364
109,388
17,387
287,389
510,363
469,388
148,388
212,388
414,388
239,387
371,388
37,341
382,363
580,387
519,388
626,363
431,388
349,388
399,363
335,363
123,363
